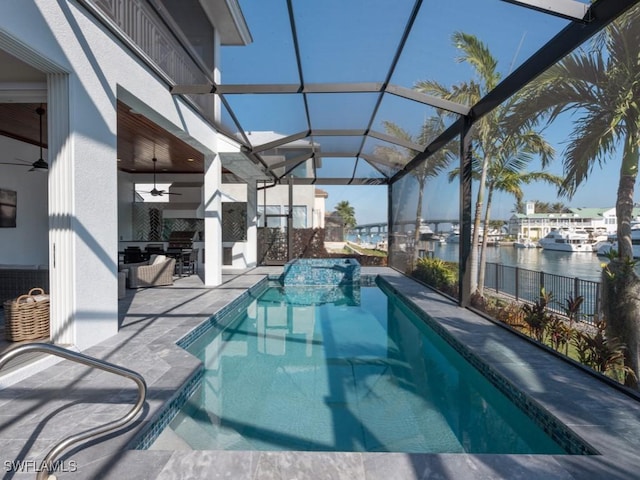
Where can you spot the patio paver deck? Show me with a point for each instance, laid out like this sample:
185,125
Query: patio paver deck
66,398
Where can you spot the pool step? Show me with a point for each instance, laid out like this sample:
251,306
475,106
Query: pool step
170,440
203,436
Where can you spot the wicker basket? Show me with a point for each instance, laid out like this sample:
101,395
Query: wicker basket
27,317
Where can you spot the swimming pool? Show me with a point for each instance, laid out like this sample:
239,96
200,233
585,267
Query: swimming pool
350,369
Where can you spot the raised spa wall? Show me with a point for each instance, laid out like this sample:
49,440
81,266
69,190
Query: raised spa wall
321,271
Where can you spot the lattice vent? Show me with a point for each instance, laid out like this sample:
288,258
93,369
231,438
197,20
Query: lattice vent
234,221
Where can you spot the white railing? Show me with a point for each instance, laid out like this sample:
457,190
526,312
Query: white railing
146,33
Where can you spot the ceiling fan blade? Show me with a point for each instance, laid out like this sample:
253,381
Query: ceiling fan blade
18,164
155,192
160,193
40,165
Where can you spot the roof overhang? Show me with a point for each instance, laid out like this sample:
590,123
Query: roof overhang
570,9
226,16
242,166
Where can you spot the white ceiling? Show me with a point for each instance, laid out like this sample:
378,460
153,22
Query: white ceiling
19,82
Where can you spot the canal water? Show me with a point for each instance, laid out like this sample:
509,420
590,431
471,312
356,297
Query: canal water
586,266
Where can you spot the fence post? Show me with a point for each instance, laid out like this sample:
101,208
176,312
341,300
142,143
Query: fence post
517,283
541,284
498,277
576,293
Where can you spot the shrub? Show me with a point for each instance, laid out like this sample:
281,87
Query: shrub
536,315
438,273
592,347
559,333
604,355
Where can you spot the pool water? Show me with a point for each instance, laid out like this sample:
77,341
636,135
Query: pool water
330,369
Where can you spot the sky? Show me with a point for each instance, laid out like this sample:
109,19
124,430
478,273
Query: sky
353,40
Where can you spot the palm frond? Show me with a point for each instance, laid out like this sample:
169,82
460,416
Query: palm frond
397,131
478,55
432,87
591,140
574,82
546,177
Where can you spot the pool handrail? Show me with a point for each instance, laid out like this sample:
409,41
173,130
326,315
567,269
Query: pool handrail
78,357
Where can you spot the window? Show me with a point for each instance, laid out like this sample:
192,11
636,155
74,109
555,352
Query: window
271,222
299,216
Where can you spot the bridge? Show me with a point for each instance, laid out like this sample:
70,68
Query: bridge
382,227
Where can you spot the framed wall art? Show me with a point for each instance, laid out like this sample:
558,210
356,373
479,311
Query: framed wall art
8,208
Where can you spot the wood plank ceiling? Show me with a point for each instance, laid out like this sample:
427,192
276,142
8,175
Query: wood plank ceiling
139,139
22,122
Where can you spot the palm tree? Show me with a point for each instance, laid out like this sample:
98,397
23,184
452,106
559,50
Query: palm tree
513,153
542,207
429,168
348,215
519,207
477,54
497,224
601,87
502,178
559,207
496,142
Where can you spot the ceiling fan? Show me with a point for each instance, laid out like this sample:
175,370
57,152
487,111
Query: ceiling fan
154,191
40,164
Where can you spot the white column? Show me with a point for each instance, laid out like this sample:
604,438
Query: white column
251,250
61,236
82,216
212,220
212,195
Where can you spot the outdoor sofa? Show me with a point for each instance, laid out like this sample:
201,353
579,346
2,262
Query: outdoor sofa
157,271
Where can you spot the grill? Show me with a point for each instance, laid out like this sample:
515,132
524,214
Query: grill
181,248
180,240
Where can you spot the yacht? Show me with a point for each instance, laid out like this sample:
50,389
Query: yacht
524,242
566,240
605,248
453,237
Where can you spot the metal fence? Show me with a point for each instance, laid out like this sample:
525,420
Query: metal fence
525,285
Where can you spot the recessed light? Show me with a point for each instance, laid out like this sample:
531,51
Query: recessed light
190,160
119,159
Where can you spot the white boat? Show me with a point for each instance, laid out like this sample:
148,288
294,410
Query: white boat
425,229
565,240
453,237
605,248
382,245
524,242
